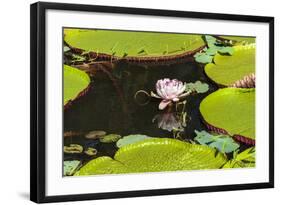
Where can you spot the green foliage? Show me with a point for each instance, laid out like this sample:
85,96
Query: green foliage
110,138
226,70
231,109
130,139
74,81
198,87
223,143
243,159
132,43
214,46
69,167
155,155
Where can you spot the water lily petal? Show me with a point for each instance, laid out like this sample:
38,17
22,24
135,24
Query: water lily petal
163,104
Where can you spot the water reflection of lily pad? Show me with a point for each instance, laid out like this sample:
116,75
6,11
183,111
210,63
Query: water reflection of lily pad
155,155
130,139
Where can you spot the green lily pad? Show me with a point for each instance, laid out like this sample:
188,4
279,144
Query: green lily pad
130,139
198,87
75,81
231,109
156,155
226,69
110,138
130,43
214,46
223,143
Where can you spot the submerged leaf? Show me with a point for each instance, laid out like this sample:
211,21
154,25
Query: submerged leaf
223,143
156,155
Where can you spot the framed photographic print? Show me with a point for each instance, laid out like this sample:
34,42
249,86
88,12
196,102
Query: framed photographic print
129,102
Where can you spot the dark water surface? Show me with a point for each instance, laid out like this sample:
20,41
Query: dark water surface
111,106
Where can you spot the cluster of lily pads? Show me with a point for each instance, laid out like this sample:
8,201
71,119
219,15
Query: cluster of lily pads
141,153
229,112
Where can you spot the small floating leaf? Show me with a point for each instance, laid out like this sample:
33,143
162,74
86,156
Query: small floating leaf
95,134
198,87
73,149
156,155
130,139
91,151
214,46
69,167
75,81
231,109
223,143
110,138
211,41
203,58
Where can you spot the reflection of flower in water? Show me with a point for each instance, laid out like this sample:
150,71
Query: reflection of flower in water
168,121
169,91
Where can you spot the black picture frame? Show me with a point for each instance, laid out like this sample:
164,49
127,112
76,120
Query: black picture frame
38,103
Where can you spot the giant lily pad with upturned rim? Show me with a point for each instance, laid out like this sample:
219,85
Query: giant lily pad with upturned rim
231,111
156,155
134,46
226,70
75,84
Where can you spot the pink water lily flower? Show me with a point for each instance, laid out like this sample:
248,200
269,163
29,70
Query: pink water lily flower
169,91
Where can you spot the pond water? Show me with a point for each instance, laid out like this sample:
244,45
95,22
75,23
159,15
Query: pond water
111,106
